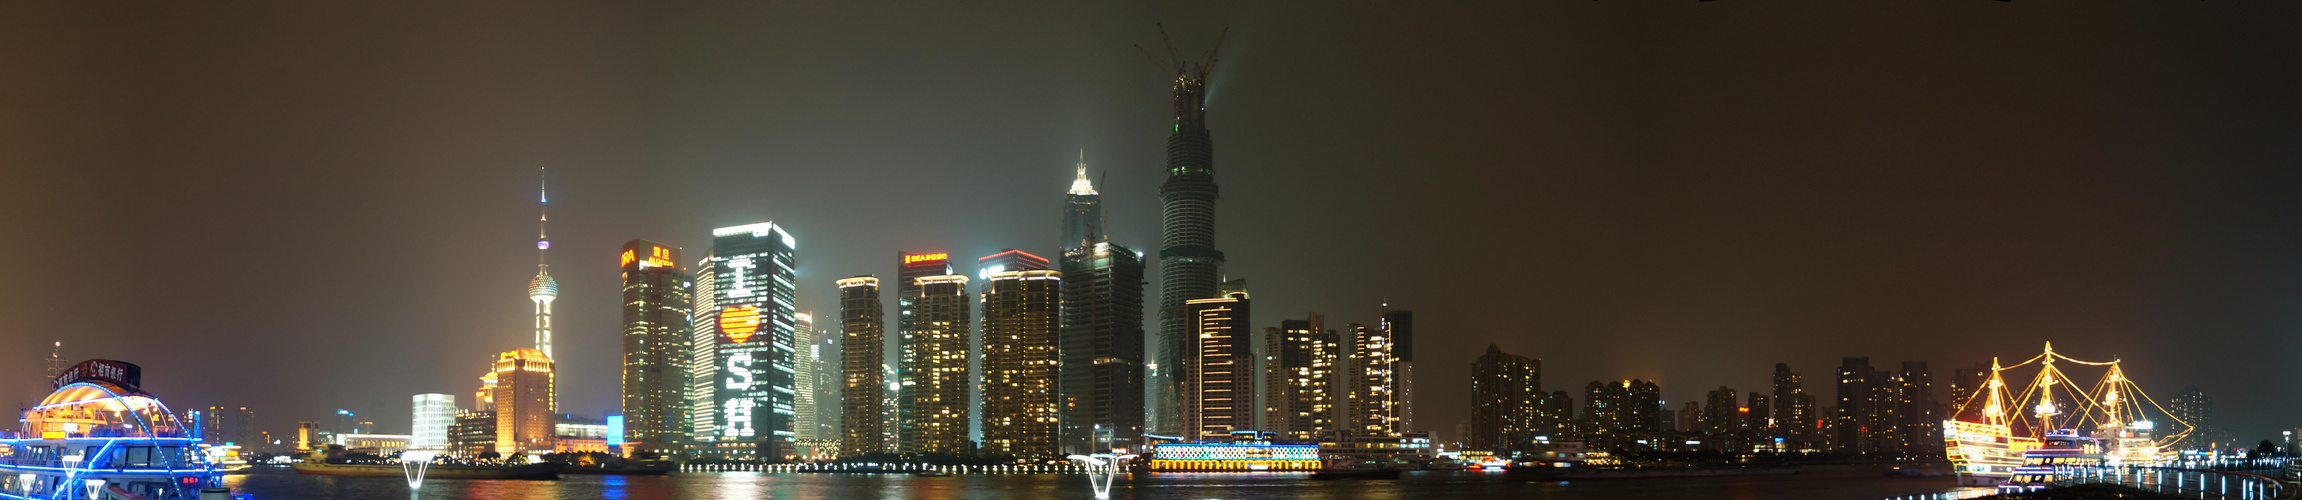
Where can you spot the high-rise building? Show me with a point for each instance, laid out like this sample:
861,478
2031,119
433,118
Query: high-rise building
1376,398
1863,420
862,388
1021,311
824,355
938,382
1965,383
523,405
1788,385
1008,260
1760,416
909,268
2193,407
1619,412
1218,378
434,414
1082,212
1506,400
1918,426
1101,373
1690,418
1722,414
803,424
657,311
753,285
1304,379
703,357
474,433
1189,265
1399,326
220,425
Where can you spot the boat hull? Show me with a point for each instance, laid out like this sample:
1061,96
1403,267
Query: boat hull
531,471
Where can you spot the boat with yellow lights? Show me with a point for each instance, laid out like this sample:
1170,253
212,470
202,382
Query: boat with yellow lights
1986,444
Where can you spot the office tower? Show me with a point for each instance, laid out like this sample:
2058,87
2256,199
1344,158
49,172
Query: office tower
890,428
703,356
1918,429
1303,379
523,405
751,269
656,365
803,425
1082,212
937,382
824,354
1965,383
909,268
1101,374
1690,418
1788,385
434,413
220,425
1559,410
1218,383
305,434
2193,407
1506,400
474,433
860,349
1021,311
1399,327
1189,265
1374,395
1722,414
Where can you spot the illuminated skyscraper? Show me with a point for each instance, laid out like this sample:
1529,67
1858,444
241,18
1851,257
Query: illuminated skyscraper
909,267
803,425
1101,374
1506,400
1189,265
1218,378
1082,211
524,410
1794,412
703,357
751,268
1376,407
1021,309
823,357
936,407
1305,379
862,388
1399,327
656,364
434,414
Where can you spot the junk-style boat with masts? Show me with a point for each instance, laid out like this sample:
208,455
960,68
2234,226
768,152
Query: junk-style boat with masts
98,436
1986,443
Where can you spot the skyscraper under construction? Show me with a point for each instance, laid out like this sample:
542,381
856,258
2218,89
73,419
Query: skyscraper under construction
1189,265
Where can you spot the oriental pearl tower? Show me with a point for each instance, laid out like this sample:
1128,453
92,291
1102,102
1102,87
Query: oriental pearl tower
543,288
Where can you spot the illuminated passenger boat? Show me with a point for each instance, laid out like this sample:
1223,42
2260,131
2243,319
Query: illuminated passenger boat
1992,451
1249,451
2055,458
99,437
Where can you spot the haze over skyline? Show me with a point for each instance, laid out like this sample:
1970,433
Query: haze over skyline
299,208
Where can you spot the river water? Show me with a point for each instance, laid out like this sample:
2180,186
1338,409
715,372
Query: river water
1818,482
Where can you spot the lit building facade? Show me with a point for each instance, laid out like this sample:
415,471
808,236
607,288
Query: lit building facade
822,355
862,386
474,433
909,268
1218,382
1101,374
937,400
1304,380
1398,327
803,423
1374,398
1506,400
434,414
523,404
656,333
753,294
1189,265
703,357
1619,412
1021,309
1082,212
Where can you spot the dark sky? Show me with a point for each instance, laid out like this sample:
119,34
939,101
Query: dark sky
301,207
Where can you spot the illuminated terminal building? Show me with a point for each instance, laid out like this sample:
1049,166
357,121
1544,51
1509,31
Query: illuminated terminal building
862,386
745,334
937,381
656,330
1021,309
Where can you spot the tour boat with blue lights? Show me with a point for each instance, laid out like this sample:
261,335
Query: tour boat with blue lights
98,436
2056,457
1249,451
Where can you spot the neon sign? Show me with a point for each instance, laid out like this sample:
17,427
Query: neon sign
657,257
932,257
119,373
739,322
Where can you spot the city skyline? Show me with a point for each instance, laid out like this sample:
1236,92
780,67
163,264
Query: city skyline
2002,236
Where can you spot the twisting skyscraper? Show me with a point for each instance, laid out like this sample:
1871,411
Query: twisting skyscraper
1189,265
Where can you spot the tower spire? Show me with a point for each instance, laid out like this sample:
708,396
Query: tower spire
542,289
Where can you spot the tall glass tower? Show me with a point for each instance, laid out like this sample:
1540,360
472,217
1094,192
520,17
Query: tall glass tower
656,329
1082,211
1189,265
755,324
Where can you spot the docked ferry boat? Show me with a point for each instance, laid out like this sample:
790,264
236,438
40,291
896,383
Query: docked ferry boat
1989,443
98,436
2061,453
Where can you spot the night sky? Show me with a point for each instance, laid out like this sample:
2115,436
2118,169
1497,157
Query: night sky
301,207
